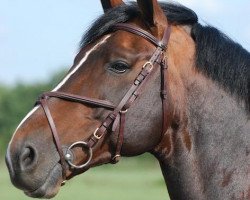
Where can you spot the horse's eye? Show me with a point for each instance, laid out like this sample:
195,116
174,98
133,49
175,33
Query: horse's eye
118,67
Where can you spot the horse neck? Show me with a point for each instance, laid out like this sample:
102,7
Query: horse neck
205,153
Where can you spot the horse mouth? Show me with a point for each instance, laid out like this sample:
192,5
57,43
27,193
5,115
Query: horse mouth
51,185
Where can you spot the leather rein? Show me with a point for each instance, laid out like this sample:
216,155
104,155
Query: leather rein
115,121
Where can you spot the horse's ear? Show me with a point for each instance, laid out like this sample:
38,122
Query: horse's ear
107,4
152,13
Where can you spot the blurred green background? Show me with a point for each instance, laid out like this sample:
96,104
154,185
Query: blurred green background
132,178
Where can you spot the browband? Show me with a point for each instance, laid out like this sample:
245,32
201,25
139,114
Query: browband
140,32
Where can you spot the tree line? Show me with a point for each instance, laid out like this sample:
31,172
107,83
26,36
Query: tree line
16,101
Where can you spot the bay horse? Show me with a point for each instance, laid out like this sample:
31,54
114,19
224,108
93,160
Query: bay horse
148,78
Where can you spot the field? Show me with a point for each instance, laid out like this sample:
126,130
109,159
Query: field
132,178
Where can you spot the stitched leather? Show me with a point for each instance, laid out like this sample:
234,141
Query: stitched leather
117,117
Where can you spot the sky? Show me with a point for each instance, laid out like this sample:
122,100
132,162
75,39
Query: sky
40,37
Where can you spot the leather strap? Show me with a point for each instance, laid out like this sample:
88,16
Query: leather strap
135,90
140,81
140,32
80,99
164,85
117,117
117,155
43,102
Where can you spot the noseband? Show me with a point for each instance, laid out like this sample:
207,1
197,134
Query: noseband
115,121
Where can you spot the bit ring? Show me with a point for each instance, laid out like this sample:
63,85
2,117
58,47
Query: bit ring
85,146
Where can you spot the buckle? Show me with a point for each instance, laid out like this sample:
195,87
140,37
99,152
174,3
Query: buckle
148,63
123,111
115,159
97,136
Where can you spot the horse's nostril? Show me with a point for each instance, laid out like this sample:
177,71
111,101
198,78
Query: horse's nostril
28,158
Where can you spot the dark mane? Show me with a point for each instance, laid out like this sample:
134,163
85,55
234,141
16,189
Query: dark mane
217,56
223,60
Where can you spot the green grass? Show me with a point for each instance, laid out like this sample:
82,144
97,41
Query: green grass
132,178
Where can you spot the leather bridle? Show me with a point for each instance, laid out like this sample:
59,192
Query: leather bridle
115,121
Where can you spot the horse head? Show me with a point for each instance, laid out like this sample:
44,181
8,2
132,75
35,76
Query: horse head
80,124
148,78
